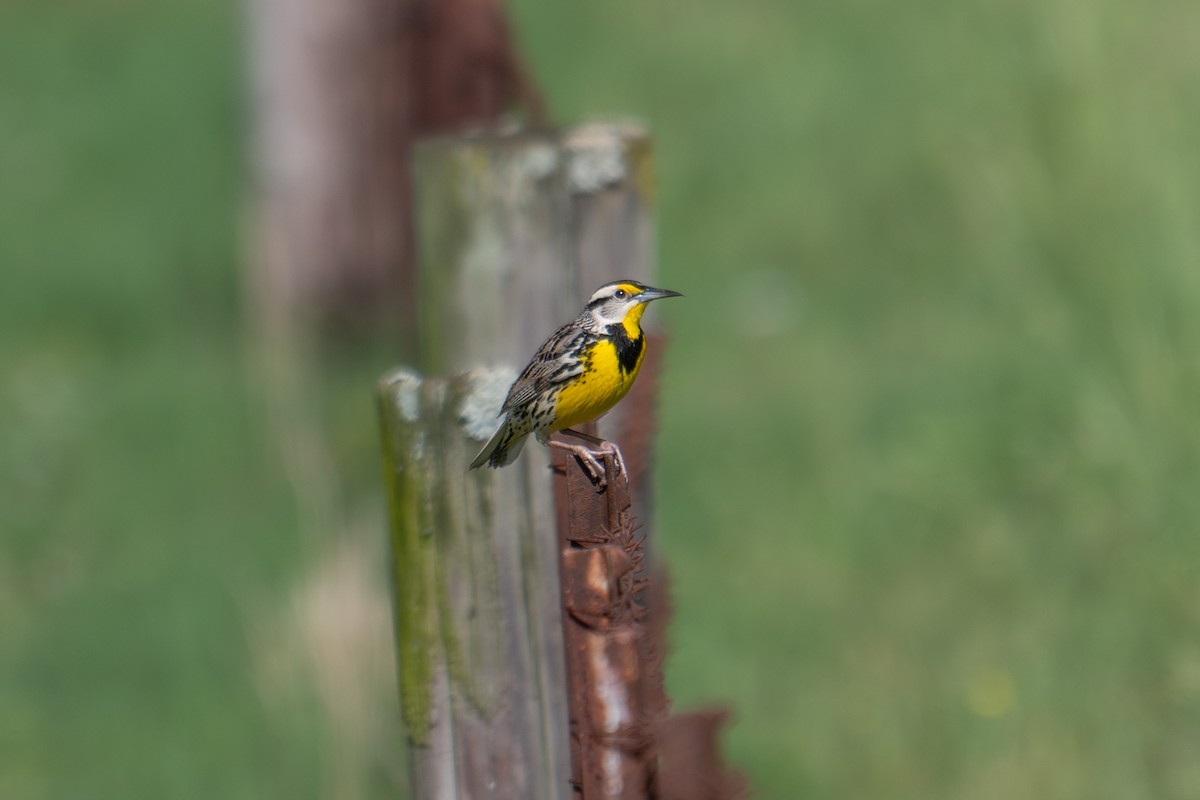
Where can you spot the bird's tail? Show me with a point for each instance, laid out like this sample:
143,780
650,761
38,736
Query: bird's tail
503,448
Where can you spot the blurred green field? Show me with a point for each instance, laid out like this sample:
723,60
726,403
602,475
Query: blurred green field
930,456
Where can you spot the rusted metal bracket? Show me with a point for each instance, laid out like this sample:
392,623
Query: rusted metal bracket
624,745
614,685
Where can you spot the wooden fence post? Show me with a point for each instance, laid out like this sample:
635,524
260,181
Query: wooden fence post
491,281
610,179
513,233
480,687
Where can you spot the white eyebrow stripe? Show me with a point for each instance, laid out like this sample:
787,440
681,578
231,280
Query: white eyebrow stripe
609,289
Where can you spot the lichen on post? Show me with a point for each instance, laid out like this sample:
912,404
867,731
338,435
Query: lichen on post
474,704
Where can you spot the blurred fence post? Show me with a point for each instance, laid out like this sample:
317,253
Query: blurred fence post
331,124
340,91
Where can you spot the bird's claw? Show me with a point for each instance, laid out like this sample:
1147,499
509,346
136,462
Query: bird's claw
592,465
618,460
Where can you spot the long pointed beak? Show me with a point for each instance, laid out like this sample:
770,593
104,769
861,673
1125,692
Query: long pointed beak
651,293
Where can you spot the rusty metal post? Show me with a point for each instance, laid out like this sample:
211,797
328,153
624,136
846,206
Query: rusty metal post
624,743
614,682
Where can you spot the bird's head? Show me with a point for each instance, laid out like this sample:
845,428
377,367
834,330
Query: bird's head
622,303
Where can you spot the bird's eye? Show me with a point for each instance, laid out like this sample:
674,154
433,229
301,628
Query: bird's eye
620,294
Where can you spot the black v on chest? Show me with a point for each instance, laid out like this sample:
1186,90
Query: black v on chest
628,350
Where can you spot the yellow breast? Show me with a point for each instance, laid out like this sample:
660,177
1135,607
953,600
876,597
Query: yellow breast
597,390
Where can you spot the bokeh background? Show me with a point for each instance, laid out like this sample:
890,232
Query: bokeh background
929,460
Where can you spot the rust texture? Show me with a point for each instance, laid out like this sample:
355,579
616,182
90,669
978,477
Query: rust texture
624,744
612,722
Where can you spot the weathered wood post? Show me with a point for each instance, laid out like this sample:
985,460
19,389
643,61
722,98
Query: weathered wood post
478,685
610,178
505,227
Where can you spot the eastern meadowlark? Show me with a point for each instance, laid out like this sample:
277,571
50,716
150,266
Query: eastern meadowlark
580,373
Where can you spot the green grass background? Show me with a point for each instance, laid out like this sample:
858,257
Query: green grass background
930,457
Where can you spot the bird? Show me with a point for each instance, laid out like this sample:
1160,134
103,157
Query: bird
577,375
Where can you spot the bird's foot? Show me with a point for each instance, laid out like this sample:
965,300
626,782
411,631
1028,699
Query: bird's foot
591,458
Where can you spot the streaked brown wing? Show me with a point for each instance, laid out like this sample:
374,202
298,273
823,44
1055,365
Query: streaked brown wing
555,362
